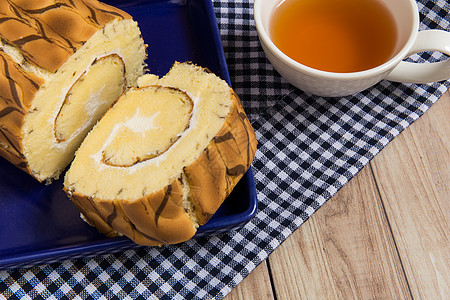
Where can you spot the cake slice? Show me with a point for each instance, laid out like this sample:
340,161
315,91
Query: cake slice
62,64
163,158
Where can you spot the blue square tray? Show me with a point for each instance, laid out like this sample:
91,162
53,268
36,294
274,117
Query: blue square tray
39,224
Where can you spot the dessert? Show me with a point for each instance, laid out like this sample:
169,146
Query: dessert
163,158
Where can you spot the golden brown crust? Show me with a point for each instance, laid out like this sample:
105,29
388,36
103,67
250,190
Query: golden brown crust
236,141
155,219
17,89
159,218
183,97
60,137
215,173
48,32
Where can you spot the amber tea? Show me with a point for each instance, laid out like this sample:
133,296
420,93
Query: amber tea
335,35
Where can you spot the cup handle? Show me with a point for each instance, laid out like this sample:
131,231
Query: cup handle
427,40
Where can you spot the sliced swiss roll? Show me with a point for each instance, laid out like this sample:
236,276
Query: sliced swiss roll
62,64
163,158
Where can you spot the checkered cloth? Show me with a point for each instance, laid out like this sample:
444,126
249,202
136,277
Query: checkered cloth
309,147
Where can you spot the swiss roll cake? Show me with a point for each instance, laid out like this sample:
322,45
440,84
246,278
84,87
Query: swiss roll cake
163,158
62,64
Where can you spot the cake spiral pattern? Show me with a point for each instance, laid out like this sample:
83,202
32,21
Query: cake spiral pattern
162,160
62,63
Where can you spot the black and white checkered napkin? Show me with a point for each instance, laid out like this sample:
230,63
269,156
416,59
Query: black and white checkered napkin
309,147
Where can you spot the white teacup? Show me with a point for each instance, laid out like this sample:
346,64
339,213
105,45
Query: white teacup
330,84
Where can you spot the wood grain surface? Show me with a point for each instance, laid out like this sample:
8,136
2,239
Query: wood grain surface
384,235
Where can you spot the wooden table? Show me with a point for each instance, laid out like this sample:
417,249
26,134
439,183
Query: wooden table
384,235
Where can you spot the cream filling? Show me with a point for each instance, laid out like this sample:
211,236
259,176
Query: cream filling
134,124
17,57
138,124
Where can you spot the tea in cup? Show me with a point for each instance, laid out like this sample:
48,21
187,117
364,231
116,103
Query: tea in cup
341,47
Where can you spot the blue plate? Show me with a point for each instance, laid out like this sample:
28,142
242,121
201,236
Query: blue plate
39,224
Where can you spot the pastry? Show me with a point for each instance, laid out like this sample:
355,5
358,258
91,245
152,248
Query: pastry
163,158
62,64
